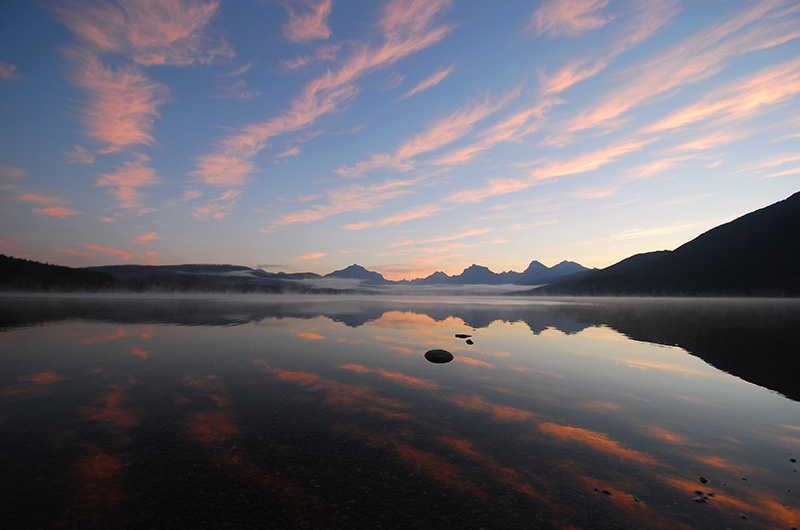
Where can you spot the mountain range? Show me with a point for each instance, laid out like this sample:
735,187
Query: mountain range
535,274
757,254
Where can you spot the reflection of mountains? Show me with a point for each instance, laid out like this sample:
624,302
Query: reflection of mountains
752,339
222,312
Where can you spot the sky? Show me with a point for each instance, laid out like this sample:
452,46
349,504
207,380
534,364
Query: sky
408,136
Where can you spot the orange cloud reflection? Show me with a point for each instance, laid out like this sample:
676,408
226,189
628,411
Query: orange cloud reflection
105,338
43,378
596,440
394,376
500,412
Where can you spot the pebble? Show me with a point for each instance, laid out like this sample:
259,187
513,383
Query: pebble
462,336
469,341
702,480
438,356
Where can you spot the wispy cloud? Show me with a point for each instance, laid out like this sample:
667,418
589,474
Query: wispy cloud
146,238
348,198
588,162
740,100
313,255
9,72
429,82
439,134
111,251
570,18
123,102
440,239
646,19
407,26
307,20
320,54
218,207
41,199
80,155
513,127
126,182
148,32
696,58
56,211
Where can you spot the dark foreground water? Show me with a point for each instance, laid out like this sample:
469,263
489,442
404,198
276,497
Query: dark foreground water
324,413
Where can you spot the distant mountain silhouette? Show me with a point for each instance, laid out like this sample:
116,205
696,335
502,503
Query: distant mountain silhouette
757,254
357,272
536,273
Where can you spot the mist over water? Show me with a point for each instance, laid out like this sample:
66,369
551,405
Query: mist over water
323,412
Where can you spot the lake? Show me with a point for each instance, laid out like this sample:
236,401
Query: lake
313,412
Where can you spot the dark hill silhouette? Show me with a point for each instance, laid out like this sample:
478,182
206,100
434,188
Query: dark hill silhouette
757,254
25,275
536,273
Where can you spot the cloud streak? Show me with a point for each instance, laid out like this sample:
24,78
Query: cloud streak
569,18
407,27
310,24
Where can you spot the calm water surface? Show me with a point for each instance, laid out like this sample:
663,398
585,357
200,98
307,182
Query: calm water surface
324,413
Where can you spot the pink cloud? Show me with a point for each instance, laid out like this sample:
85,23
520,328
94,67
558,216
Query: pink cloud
311,24
440,239
429,82
111,251
512,128
348,199
495,187
79,155
313,255
149,32
56,211
147,238
125,182
588,162
9,72
769,86
218,207
107,219
569,18
123,102
407,27
694,59
440,133
40,199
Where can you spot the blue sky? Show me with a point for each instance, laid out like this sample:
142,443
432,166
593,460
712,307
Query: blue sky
407,136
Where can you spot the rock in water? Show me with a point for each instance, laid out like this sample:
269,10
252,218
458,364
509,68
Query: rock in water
439,356
462,336
469,341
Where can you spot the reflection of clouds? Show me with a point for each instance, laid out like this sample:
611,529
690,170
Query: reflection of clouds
644,515
96,484
44,378
393,376
105,338
667,367
760,508
472,362
507,475
307,335
111,412
500,412
596,440
669,436
342,395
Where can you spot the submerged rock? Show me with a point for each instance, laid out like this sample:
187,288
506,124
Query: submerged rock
469,341
462,336
439,356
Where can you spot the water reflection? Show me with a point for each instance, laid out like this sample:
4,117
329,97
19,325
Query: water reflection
149,413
